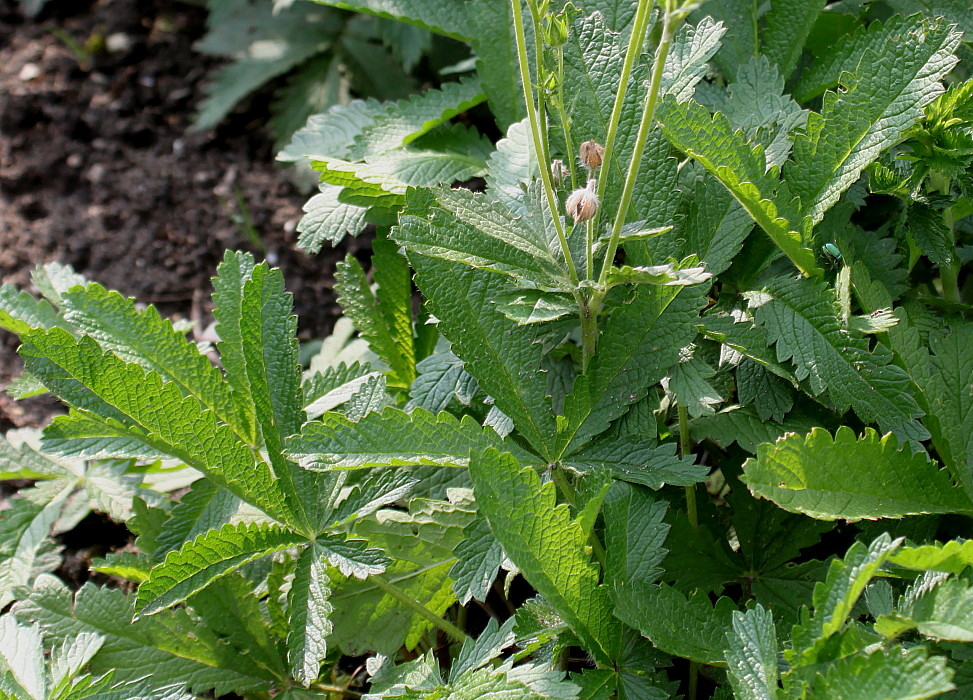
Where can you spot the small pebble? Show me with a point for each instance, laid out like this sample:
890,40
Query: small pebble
96,173
75,160
119,42
30,71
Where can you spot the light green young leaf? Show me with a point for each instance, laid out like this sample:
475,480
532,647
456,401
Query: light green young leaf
937,608
393,438
150,341
743,170
332,133
787,26
171,648
810,475
504,357
751,655
21,311
360,304
950,557
211,555
639,342
406,120
327,218
547,546
391,273
888,673
871,114
309,608
801,320
83,375
690,628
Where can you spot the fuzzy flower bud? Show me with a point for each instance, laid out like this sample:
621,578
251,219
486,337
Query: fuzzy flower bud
592,154
558,172
582,204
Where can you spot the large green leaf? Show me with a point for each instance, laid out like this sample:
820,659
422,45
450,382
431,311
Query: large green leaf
83,375
692,628
171,648
786,28
547,546
810,475
634,533
211,555
505,358
751,655
937,608
951,407
801,319
870,114
394,438
639,342
888,673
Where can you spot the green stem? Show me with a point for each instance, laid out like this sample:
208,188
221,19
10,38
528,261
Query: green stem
445,625
693,679
572,155
567,491
635,43
948,274
589,331
685,449
535,133
541,82
669,24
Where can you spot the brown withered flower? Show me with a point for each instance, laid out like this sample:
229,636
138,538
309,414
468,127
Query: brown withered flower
592,153
582,204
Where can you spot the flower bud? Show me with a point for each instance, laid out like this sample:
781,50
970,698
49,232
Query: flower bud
556,31
582,204
592,154
558,172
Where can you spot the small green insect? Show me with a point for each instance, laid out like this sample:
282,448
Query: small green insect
831,252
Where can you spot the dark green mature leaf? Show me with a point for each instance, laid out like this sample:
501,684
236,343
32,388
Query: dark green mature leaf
751,655
810,475
740,41
691,628
394,438
787,27
85,435
639,342
504,357
638,462
440,16
478,560
171,647
81,374
742,168
634,533
889,673
547,546
871,114
802,321
213,554
206,506
949,403
742,425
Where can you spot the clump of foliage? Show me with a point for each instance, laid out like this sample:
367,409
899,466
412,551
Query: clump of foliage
632,418
319,56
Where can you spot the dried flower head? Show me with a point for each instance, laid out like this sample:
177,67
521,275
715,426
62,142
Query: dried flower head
592,154
582,204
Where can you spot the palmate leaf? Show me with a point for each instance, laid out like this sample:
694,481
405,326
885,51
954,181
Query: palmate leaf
394,438
201,561
547,546
742,169
638,344
802,322
690,628
83,375
870,114
810,474
504,357
170,648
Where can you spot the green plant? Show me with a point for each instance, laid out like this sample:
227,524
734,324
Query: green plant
551,404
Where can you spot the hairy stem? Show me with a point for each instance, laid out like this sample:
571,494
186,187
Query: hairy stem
565,123
685,449
635,42
669,24
948,274
538,139
425,613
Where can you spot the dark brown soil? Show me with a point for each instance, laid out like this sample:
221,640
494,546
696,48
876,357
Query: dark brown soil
98,169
